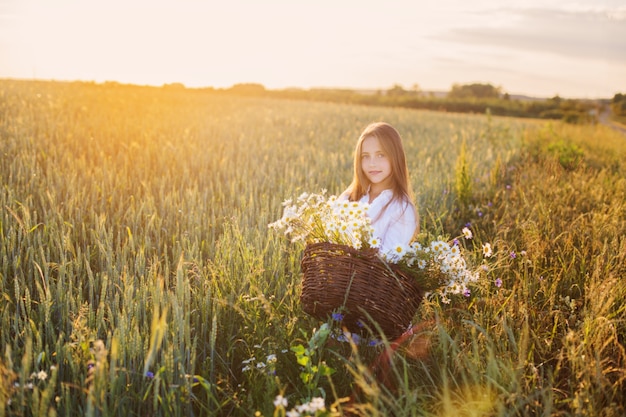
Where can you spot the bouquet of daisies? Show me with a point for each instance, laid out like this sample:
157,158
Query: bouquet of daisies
438,265
315,218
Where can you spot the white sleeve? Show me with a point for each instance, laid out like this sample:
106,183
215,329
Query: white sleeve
400,226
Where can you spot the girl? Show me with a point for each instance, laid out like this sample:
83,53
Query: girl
381,178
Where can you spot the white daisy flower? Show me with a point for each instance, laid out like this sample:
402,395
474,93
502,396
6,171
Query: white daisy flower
487,252
375,242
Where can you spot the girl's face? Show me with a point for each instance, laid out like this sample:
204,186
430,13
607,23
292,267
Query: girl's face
375,164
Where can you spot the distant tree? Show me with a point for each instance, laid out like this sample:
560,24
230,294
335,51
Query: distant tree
396,91
556,100
174,86
618,106
475,90
247,88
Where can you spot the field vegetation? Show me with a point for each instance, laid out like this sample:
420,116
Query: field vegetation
138,276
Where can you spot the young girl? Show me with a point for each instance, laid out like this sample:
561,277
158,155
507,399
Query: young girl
381,178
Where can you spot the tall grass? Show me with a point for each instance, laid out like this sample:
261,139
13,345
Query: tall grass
137,271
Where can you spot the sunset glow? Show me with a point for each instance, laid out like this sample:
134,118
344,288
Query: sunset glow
541,48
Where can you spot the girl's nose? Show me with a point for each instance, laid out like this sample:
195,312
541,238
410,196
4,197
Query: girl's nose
371,162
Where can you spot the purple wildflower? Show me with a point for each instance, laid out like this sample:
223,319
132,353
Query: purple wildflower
498,282
337,316
466,292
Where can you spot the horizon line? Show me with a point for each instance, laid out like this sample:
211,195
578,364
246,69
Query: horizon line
293,87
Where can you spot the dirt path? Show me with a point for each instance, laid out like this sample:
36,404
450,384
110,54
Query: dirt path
605,119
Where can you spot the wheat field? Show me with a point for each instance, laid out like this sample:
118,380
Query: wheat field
138,275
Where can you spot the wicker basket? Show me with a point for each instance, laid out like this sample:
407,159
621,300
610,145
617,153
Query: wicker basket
361,285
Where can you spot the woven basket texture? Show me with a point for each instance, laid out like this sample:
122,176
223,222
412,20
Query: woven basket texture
359,285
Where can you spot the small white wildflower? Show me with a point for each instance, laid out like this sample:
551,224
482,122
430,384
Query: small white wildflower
467,233
437,246
317,404
487,252
397,253
375,242
280,401
416,247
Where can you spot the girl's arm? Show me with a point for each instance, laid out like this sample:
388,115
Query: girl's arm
401,226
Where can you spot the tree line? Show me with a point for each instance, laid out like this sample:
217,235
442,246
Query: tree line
461,98
468,98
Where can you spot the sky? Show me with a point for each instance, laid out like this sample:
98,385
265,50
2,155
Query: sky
541,48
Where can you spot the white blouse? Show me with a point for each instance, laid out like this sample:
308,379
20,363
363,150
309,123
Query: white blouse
397,223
